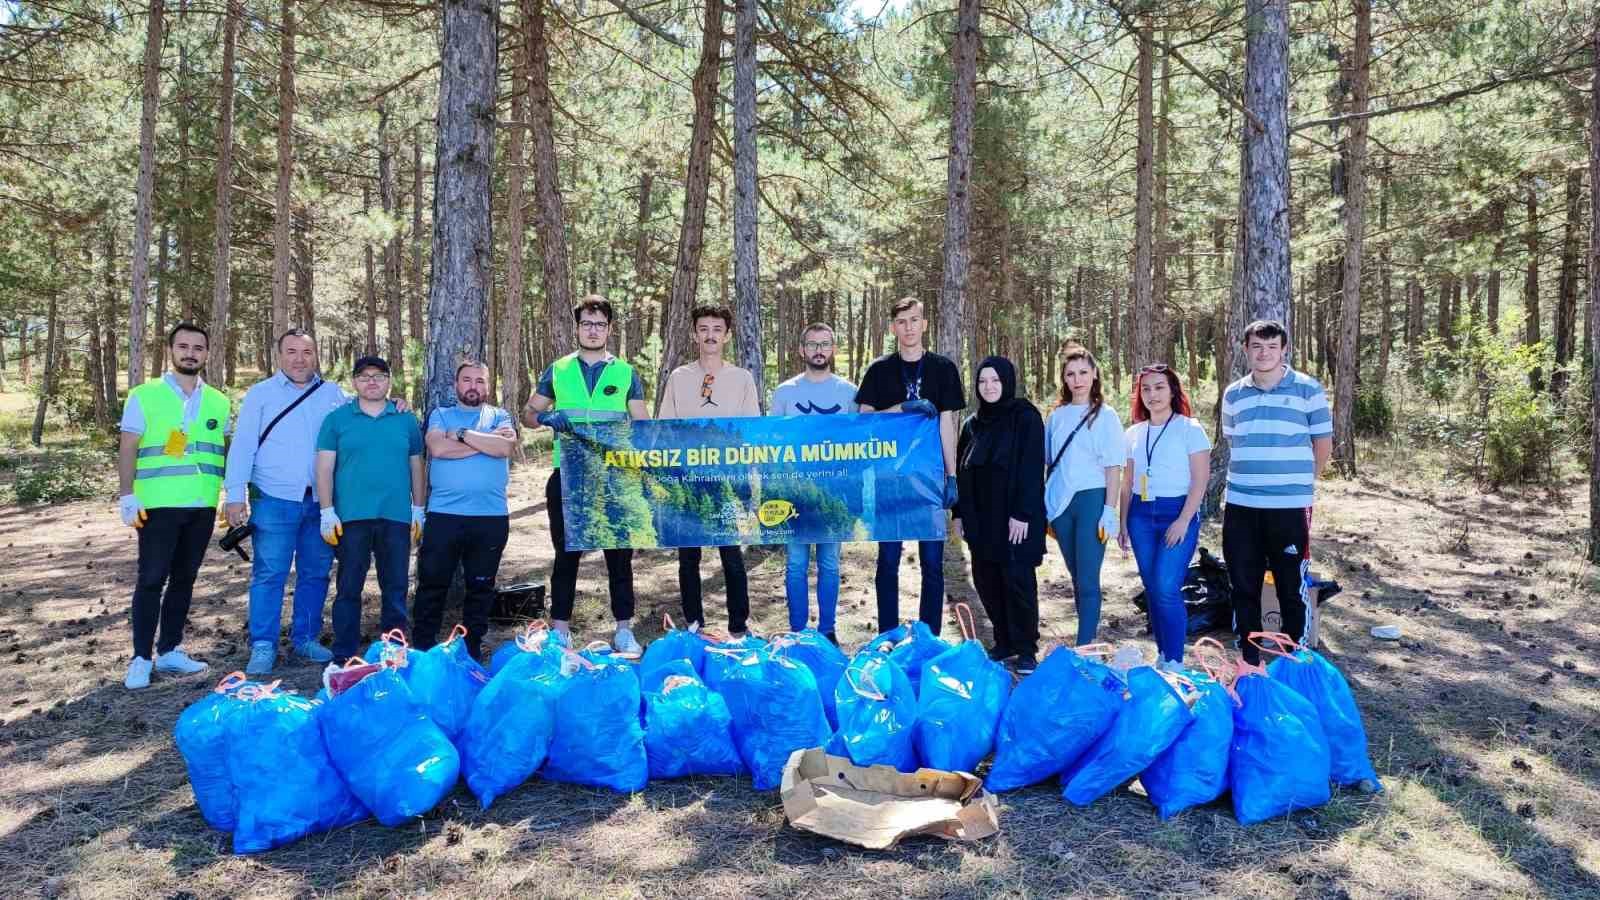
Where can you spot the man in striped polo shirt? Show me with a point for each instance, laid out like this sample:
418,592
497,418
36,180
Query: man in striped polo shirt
1281,436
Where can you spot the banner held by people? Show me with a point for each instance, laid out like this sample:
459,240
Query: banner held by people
770,480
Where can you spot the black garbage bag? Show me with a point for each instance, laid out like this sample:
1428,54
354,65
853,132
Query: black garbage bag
1208,595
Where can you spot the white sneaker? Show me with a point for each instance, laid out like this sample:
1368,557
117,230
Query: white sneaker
624,644
1172,667
177,661
138,674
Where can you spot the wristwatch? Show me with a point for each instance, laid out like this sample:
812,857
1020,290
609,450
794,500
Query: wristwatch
461,435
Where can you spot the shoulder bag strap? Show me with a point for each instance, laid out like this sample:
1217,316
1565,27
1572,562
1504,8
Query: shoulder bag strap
288,409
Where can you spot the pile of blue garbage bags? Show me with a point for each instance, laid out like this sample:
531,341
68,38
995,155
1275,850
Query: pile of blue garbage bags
391,735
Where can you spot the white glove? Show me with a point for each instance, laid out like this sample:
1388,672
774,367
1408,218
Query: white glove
133,513
418,514
332,528
1108,524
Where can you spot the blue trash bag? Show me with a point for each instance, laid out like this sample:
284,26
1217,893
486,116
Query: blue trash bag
651,679
394,758
389,643
204,735
1054,715
674,644
826,661
959,705
286,784
529,640
508,733
1145,727
722,656
688,730
776,710
598,740
1194,770
1278,760
914,645
877,709
445,680
1319,681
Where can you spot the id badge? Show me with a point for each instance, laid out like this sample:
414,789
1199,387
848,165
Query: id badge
1144,487
176,442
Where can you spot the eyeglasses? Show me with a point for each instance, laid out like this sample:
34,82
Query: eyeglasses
817,345
372,377
705,390
594,326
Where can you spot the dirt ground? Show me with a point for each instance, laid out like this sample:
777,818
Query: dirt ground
1483,726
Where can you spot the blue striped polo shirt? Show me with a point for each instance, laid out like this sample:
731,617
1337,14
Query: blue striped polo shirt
1271,465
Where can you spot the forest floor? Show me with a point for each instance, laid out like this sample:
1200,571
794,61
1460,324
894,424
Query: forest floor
1483,726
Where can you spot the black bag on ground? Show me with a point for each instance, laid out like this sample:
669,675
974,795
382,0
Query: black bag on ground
1207,594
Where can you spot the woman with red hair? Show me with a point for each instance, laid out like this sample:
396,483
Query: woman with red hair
1168,462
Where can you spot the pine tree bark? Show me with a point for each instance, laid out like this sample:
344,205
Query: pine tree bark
1348,366
1163,325
419,288
1143,310
546,186
144,192
642,295
463,228
1567,290
388,197
282,246
304,277
697,180
1530,285
1594,294
371,284
746,221
1385,282
158,346
508,331
48,366
953,298
1497,218
108,319
222,271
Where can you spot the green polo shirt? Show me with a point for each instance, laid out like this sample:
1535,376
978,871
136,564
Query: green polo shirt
372,477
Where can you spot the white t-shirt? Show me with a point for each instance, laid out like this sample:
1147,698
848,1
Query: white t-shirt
1163,453
1097,447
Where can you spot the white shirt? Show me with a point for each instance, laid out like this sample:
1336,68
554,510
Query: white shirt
1097,447
1163,453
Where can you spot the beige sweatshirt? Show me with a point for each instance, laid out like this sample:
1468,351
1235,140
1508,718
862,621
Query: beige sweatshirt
732,393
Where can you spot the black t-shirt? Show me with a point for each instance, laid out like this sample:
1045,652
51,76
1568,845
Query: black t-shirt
891,380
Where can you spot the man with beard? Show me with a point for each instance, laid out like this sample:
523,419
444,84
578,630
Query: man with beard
816,391
467,521
709,388
169,472
590,385
271,483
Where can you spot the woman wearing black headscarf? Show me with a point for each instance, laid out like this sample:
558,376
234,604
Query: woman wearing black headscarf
1000,509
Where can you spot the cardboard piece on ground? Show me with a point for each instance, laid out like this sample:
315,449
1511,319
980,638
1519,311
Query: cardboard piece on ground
876,806
1272,612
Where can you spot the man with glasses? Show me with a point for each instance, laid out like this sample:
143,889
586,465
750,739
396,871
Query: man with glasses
814,392
590,385
369,486
709,388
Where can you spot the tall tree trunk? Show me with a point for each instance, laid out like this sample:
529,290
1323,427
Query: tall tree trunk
1567,291
222,281
1164,327
371,284
419,288
1530,286
1385,282
48,366
144,192
1497,217
958,181
691,238
304,267
641,296
746,255
108,318
94,357
463,228
546,186
388,196
158,346
1594,294
508,333
282,246
1348,365
1143,308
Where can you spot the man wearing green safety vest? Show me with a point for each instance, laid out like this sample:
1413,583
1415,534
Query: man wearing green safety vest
590,385
169,474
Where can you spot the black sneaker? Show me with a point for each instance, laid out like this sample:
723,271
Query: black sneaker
832,638
1024,664
1001,653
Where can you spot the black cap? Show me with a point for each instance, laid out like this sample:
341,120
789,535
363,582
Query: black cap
371,362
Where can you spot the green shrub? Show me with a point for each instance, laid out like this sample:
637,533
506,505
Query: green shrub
1372,415
58,478
1522,434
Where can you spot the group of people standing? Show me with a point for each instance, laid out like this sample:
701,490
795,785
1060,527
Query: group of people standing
318,473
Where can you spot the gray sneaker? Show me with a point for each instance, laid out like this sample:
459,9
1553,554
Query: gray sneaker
314,651
263,656
625,645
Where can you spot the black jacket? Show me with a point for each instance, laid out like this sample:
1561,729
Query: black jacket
1000,474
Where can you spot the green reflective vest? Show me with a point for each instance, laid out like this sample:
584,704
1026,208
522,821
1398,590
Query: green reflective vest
192,477
608,403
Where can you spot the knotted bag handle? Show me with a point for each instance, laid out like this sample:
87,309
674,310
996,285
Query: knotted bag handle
968,624
1274,642
850,675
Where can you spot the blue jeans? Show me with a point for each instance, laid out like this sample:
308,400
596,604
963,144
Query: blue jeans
287,531
1162,568
887,583
366,540
1078,535
797,564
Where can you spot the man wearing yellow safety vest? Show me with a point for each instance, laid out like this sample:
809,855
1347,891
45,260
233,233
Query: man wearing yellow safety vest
169,475
590,385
